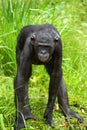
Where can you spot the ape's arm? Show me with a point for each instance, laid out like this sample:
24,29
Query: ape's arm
21,86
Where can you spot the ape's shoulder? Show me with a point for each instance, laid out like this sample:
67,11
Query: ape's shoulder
27,31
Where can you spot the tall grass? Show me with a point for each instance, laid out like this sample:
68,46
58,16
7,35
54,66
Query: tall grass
70,18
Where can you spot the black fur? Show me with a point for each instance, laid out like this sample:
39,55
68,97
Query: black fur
40,44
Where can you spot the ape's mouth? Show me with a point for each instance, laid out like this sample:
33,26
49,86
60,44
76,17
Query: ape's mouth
44,58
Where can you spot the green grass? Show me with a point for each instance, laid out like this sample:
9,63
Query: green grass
70,18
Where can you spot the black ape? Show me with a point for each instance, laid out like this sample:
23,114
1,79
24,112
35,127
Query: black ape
40,45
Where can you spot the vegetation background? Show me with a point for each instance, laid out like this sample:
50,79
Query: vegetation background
70,18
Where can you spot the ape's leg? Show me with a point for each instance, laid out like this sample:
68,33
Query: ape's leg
55,77
63,102
21,90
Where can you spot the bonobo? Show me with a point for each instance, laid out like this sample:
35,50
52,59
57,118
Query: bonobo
40,44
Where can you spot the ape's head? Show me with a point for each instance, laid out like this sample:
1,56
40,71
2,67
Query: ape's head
44,44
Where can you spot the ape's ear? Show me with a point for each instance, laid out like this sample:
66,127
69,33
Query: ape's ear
33,36
56,38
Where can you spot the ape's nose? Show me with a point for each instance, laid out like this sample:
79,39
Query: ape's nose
43,52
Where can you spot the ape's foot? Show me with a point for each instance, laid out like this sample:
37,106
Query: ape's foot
48,118
50,122
20,120
27,114
19,126
70,113
30,116
80,119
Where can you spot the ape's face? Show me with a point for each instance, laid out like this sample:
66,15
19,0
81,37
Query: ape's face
44,45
